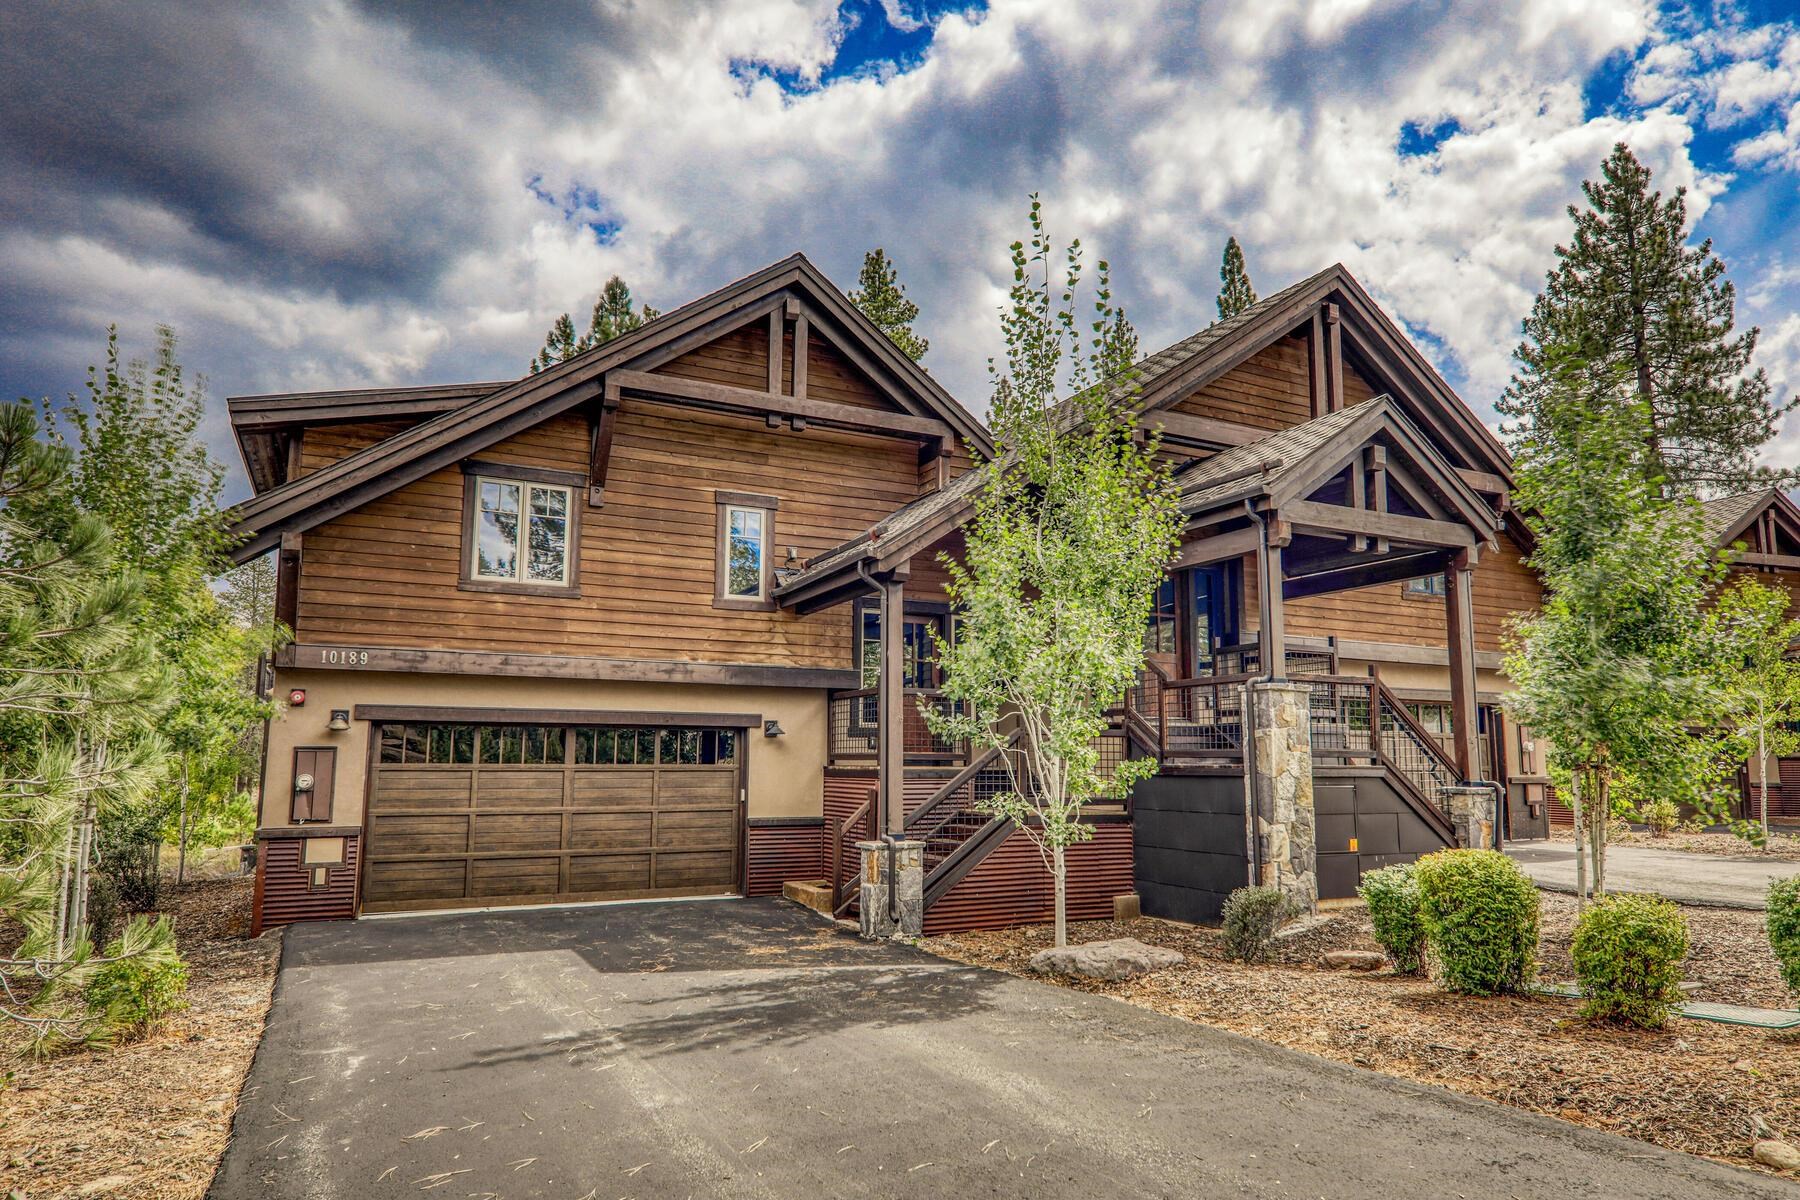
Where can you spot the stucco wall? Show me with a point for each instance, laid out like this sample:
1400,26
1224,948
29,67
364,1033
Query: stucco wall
785,773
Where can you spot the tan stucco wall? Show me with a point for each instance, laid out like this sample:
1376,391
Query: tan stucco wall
785,773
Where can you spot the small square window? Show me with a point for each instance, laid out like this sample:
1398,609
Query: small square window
1426,585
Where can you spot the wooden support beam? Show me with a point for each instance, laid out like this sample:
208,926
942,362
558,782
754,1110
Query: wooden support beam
800,356
703,394
1318,390
891,701
1459,619
1272,637
1377,462
291,468
603,425
1389,569
1207,432
1219,547
1334,359
1332,519
287,582
1358,469
775,334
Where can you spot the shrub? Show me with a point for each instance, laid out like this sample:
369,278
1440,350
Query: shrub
1252,915
1662,817
1628,952
1481,920
1392,894
1784,929
102,908
144,982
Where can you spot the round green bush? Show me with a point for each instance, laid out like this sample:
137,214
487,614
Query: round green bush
1392,894
1662,817
1784,929
1481,920
1628,952
1252,917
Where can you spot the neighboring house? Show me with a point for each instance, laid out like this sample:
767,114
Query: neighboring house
657,621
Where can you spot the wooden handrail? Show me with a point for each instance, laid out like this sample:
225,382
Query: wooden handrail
841,892
960,778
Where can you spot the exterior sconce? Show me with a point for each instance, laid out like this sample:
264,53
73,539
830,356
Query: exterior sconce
773,729
340,720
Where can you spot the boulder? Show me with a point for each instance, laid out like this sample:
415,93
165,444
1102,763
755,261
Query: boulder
1353,960
1780,1155
1121,958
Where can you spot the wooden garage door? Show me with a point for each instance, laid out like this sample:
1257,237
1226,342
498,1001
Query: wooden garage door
463,815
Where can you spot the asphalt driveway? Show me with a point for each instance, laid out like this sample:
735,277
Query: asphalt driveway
742,1048
1677,874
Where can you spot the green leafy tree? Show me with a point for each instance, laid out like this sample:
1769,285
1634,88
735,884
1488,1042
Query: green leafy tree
82,691
1630,296
1073,528
1744,644
882,298
1605,669
1235,292
614,315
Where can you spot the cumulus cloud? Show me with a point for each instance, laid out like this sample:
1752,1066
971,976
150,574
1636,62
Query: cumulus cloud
355,194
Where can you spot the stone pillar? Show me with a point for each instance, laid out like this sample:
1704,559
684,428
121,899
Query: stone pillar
1281,790
909,889
1473,812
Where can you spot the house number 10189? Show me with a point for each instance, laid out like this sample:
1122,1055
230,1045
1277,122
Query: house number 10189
343,658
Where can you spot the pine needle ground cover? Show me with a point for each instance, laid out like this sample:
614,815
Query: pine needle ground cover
149,1118
1687,1087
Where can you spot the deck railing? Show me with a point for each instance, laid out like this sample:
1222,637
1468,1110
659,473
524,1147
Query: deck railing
855,727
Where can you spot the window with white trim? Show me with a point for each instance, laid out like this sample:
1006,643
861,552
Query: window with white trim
521,532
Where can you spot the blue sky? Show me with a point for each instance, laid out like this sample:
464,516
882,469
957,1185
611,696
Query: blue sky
362,194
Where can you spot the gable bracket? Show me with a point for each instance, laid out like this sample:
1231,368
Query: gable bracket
602,422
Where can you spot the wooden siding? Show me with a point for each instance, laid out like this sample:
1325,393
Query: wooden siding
741,359
322,445
1504,585
386,574
1011,887
778,851
284,891
1268,390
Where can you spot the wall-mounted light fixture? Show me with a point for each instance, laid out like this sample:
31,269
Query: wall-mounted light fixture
340,720
773,729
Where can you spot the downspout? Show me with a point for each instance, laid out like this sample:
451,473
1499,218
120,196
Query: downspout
887,837
1262,635
1253,847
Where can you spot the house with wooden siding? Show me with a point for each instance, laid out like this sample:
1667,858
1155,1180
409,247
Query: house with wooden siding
657,621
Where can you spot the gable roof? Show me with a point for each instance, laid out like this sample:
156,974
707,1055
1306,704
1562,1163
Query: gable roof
455,434
1727,518
1288,464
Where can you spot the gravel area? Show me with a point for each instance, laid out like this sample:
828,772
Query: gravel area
1690,1087
1783,845
149,1118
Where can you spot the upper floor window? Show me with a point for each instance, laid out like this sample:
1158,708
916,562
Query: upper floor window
1425,585
744,568
519,529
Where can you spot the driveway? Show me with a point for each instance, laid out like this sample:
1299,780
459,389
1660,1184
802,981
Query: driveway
1677,874
742,1048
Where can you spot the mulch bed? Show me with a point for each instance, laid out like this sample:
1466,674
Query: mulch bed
149,1118
1689,1087
1783,846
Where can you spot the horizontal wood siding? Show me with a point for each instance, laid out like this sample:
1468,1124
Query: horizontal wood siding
1356,388
285,888
1268,390
322,445
1011,887
386,574
1504,585
778,853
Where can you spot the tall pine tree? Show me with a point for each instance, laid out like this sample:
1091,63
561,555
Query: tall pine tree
882,297
613,316
1235,292
1630,297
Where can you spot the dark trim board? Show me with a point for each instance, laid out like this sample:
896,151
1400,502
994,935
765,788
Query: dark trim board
551,716
314,656
307,831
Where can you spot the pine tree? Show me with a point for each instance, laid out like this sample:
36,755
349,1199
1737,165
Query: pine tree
882,298
1629,296
612,317
1235,292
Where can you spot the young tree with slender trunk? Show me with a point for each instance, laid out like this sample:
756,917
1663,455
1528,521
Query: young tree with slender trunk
1606,670
1073,529
1632,299
1745,644
882,298
1235,292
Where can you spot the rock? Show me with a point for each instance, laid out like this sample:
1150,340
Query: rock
1353,960
1780,1155
1121,958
